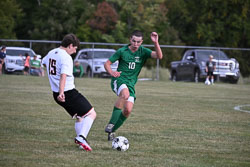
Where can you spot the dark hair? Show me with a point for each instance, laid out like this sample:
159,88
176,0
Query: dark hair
26,54
3,47
70,39
136,33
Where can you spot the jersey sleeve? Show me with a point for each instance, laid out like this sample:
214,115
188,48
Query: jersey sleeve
44,60
147,52
115,56
67,66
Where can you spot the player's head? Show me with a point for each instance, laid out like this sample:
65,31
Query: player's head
3,48
26,54
211,57
77,63
136,39
136,33
71,43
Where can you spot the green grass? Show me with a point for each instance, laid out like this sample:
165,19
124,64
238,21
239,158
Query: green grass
172,124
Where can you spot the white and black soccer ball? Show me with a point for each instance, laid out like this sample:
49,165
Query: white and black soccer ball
207,82
120,143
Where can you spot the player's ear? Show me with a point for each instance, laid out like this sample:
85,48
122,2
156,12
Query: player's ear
70,46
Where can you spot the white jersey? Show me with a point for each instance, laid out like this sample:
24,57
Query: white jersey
58,62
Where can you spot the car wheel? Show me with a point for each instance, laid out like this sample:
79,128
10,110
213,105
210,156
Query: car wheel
234,81
196,76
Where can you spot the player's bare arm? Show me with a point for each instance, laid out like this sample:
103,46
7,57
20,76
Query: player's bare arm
157,54
61,96
107,67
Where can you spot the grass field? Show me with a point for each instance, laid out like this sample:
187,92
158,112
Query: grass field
173,124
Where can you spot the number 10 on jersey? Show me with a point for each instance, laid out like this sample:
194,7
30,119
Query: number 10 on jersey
131,65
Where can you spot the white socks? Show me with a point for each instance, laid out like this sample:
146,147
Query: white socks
83,127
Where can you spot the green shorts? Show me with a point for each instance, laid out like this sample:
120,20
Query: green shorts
117,84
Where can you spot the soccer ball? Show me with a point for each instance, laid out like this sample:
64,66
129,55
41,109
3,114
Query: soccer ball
120,143
207,82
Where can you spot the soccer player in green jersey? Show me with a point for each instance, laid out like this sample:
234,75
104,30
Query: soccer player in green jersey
131,59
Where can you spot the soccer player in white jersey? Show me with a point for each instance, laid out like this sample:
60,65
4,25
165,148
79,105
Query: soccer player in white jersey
59,66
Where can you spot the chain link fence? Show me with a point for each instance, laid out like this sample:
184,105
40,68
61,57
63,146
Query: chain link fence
159,69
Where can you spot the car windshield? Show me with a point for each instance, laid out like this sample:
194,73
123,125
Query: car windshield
101,54
204,55
18,52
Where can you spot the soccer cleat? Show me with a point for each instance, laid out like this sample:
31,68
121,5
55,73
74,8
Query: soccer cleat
81,140
109,128
111,136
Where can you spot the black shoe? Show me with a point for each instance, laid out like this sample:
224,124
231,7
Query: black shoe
111,136
109,128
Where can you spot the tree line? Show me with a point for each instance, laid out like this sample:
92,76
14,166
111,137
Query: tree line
216,23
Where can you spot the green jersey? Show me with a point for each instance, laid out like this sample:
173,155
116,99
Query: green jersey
35,63
130,64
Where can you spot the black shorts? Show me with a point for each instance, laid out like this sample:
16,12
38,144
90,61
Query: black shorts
26,69
210,73
75,103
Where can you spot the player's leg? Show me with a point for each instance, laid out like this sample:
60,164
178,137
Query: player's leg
82,127
83,124
121,90
79,107
1,66
128,106
212,78
207,79
117,110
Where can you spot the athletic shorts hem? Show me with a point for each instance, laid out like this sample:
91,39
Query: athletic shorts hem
75,103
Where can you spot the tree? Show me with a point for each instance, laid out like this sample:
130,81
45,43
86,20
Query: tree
104,19
10,13
213,23
147,16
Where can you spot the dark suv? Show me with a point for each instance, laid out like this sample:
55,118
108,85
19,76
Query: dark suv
193,65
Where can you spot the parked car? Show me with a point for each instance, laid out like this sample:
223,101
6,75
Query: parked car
193,65
14,62
93,60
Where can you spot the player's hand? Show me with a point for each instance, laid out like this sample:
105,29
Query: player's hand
61,97
154,37
116,74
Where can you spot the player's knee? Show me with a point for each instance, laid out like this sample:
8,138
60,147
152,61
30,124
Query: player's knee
127,112
124,95
93,114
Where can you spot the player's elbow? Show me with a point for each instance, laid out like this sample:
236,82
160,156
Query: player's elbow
159,56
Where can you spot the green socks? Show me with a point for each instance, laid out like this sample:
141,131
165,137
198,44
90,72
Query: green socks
115,115
120,121
117,118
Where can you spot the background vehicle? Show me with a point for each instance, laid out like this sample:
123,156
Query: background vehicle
14,62
93,60
193,65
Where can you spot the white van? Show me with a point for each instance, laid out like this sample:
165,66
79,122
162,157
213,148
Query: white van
14,62
93,61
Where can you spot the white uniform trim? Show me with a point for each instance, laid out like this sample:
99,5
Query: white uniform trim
130,99
120,89
63,64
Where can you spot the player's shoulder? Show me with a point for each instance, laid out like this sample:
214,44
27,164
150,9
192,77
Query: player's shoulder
144,48
122,49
